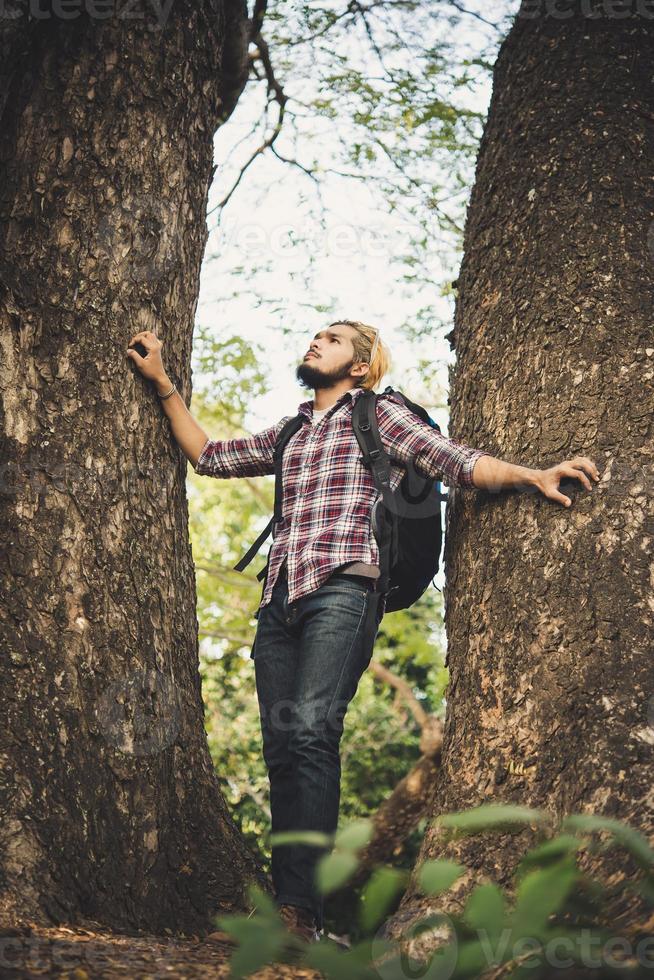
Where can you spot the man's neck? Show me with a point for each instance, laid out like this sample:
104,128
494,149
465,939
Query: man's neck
326,397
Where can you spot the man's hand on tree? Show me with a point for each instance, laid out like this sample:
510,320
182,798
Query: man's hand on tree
150,366
548,480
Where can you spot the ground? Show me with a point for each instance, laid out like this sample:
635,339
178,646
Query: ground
95,953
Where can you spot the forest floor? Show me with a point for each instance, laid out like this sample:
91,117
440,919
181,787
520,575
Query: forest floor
94,953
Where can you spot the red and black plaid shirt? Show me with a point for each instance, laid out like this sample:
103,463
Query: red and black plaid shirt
328,493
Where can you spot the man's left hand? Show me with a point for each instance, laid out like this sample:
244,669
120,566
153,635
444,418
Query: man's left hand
548,480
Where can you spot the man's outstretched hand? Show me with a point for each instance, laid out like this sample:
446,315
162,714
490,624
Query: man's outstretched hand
548,480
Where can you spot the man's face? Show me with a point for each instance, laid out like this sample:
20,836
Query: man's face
329,358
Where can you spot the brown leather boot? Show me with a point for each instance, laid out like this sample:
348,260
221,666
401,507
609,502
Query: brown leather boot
299,921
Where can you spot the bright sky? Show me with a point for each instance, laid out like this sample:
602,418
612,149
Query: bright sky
352,255
354,277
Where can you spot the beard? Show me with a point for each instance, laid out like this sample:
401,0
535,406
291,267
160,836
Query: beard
311,376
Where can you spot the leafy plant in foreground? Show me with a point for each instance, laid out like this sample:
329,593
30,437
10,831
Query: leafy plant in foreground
556,911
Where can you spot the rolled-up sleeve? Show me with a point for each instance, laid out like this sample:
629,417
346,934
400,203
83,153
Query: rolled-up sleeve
248,456
405,436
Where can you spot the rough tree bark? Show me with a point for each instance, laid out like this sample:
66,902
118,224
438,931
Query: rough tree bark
110,806
549,609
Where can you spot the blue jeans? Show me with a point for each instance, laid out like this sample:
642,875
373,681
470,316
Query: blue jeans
308,659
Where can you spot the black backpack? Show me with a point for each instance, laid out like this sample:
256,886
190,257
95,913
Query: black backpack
406,522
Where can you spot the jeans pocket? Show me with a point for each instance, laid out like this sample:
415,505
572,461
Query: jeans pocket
347,600
344,584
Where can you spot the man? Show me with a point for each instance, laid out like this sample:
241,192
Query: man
308,651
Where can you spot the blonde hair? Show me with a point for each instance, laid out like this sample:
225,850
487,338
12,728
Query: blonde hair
363,344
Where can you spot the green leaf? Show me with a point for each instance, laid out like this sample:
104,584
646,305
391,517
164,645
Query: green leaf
351,964
366,949
539,894
485,910
550,850
262,901
327,959
314,837
471,959
251,956
260,940
490,816
354,836
378,895
241,927
631,839
333,870
437,876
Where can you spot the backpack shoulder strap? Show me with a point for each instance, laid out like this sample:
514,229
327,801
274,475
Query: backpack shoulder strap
423,414
288,429
375,457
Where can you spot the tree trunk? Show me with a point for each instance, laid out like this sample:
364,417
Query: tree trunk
111,809
549,609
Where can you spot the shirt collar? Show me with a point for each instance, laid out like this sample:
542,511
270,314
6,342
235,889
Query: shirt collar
306,408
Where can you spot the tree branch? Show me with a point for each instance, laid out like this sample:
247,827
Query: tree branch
262,54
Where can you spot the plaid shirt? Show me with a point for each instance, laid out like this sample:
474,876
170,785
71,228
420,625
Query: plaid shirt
327,492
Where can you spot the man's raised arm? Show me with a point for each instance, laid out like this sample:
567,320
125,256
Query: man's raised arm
405,436
222,458
248,456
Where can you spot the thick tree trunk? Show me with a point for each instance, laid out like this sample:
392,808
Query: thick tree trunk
111,808
549,609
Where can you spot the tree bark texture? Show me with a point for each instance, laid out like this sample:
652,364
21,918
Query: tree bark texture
110,805
550,610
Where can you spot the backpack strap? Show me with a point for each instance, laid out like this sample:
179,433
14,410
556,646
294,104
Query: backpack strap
376,459
288,429
423,414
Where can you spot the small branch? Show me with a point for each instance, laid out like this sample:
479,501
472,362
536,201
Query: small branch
295,163
362,10
323,30
262,54
473,13
403,688
256,20
225,575
416,184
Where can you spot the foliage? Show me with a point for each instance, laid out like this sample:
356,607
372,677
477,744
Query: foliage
367,117
555,911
